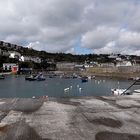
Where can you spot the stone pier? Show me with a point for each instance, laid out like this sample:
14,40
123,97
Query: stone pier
84,118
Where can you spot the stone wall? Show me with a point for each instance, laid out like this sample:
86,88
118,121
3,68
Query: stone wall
121,69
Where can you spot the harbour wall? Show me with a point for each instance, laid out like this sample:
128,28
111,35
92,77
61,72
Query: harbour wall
123,71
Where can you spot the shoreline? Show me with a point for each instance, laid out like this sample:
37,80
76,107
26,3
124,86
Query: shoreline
89,73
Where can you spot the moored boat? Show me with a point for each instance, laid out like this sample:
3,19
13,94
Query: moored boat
30,78
84,79
2,77
40,77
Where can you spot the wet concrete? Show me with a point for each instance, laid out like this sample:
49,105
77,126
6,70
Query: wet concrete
24,105
19,131
91,118
107,122
116,136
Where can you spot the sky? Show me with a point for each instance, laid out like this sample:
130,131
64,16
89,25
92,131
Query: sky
72,26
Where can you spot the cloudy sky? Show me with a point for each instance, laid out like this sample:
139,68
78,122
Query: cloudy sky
72,26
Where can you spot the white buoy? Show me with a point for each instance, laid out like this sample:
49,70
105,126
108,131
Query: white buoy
89,77
98,82
80,89
66,89
70,87
77,86
33,97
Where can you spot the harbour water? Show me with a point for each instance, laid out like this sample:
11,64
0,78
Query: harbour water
16,86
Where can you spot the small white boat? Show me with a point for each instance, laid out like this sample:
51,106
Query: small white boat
136,92
66,89
118,92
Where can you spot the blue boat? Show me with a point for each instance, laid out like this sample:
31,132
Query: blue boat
84,79
38,77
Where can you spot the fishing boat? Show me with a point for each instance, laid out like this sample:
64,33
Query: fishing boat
136,92
84,79
2,77
31,78
40,77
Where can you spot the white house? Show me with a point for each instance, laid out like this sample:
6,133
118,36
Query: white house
119,59
113,56
14,54
106,65
65,65
124,63
5,44
36,59
29,58
8,66
25,58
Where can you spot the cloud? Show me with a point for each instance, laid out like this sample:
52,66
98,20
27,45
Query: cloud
99,37
112,40
56,25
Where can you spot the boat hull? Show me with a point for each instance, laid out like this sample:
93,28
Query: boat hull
84,79
30,79
2,77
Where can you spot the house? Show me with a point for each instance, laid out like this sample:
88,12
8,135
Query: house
5,44
124,63
90,64
106,65
113,56
93,63
13,45
65,65
9,45
18,47
30,58
5,53
12,67
118,59
79,67
36,59
14,54
25,58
